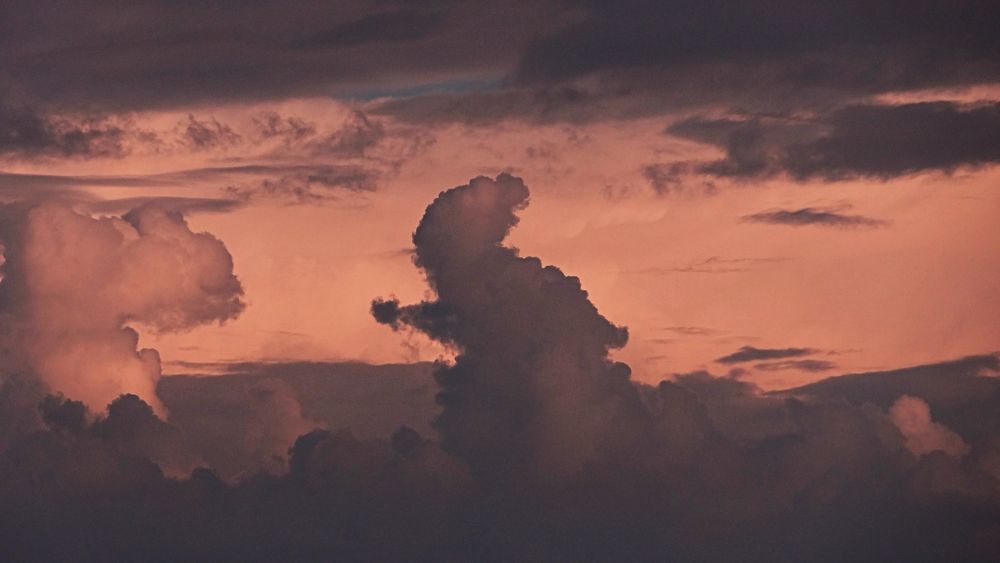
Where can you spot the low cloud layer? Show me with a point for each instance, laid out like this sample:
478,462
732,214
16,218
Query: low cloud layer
541,446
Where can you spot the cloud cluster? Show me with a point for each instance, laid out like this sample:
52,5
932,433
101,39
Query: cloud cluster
544,448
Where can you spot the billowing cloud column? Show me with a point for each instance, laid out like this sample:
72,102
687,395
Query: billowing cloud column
532,388
72,285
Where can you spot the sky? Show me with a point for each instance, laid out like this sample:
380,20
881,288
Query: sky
766,194
718,176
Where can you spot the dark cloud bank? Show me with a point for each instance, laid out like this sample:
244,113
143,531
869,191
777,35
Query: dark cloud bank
539,446
865,140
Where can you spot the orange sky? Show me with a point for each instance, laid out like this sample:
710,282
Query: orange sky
920,289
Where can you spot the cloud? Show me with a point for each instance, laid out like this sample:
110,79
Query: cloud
861,140
548,61
291,129
208,134
74,286
354,137
594,62
299,184
823,217
749,354
275,423
151,55
782,46
524,334
26,133
403,26
913,418
803,365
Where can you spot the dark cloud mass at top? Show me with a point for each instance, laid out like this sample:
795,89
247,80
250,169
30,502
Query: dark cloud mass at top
158,54
809,47
153,54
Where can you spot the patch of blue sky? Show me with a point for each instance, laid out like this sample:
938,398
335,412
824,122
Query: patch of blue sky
454,86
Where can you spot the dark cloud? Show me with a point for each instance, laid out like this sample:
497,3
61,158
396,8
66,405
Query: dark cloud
291,129
749,354
801,365
485,61
855,47
486,106
357,135
664,178
208,133
888,141
298,184
641,58
26,133
494,306
384,27
373,401
151,54
874,141
824,217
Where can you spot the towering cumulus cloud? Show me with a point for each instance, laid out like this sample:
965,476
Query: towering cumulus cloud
73,284
532,387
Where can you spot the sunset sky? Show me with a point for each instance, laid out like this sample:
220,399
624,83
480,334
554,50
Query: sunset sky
865,153
770,193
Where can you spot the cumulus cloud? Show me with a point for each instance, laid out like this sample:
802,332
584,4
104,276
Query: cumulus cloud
73,285
532,385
